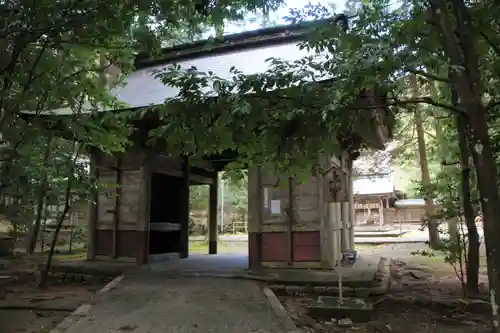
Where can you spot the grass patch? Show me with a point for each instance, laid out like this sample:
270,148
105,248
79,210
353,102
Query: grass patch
223,247
198,246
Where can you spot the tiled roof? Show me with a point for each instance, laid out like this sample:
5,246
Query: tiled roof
143,89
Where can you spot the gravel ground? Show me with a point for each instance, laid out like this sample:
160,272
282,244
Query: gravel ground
151,303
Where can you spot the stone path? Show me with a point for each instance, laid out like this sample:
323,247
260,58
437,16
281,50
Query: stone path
152,303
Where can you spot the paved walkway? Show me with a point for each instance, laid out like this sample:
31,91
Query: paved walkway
204,263
413,235
152,303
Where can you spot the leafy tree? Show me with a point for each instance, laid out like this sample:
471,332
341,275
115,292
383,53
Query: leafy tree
65,55
440,42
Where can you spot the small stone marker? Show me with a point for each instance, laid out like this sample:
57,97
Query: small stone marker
327,307
345,322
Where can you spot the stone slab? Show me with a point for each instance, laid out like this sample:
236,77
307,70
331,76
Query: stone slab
92,267
327,307
360,275
280,311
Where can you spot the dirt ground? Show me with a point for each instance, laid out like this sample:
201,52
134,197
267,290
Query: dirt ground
30,310
425,296
422,298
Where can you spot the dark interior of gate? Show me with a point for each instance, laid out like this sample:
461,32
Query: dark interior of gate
165,215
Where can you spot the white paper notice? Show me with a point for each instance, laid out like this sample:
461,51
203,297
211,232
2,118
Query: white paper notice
275,207
266,197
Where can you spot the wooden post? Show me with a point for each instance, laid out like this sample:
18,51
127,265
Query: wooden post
144,217
381,212
184,251
118,194
212,218
255,245
93,208
352,212
290,221
346,226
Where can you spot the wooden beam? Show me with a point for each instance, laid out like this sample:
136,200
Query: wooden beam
131,160
173,167
161,162
184,241
194,178
212,218
202,172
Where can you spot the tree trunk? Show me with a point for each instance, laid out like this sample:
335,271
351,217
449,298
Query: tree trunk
44,226
67,205
487,179
42,193
219,30
45,273
424,167
472,285
443,149
459,46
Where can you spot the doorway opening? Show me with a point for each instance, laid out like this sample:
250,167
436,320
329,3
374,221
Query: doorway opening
231,215
165,216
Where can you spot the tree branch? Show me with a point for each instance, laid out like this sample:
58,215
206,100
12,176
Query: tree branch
495,48
428,75
427,100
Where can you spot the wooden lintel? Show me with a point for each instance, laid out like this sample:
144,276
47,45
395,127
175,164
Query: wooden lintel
131,160
194,178
102,168
160,162
164,226
207,173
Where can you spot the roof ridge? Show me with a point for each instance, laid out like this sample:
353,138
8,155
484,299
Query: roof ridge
230,43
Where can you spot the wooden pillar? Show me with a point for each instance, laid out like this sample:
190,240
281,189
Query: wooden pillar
93,210
118,195
346,226
352,212
381,212
143,219
256,205
290,220
212,217
184,241
334,243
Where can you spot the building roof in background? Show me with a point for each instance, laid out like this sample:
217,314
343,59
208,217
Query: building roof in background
409,203
373,184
